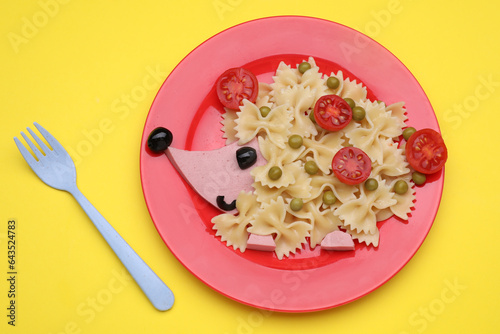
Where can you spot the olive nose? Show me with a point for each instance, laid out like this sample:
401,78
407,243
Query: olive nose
159,139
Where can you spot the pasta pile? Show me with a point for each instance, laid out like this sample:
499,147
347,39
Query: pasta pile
266,210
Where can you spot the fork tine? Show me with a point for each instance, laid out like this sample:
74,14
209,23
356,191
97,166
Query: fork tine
56,146
42,145
35,149
25,153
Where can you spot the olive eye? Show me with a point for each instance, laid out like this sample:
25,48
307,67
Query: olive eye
246,157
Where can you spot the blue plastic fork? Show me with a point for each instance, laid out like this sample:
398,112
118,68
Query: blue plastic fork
55,168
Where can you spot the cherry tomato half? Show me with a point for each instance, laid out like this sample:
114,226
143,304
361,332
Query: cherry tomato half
426,151
351,165
332,112
235,85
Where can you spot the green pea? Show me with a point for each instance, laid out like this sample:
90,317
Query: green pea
311,167
400,187
295,141
274,173
329,197
304,66
358,113
371,184
418,178
311,116
350,102
296,204
264,111
408,132
333,83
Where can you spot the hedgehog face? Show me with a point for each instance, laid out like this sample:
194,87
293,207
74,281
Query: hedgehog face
218,175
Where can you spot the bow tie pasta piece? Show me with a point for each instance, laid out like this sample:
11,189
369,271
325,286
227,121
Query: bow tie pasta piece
286,76
233,228
322,221
338,90
375,110
276,157
359,213
274,154
301,188
320,183
383,214
323,150
303,125
313,79
354,90
393,158
263,96
302,214
405,202
250,122
290,235
297,97
362,237
378,126
368,141
398,110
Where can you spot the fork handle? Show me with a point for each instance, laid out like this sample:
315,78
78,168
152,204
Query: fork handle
153,287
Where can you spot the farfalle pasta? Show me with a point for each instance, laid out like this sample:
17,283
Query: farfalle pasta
276,157
267,210
378,126
249,123
272,219
233,229
354,90
359,213
300,188
394,161
323,149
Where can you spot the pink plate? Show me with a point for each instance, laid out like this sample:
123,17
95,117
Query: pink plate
187,105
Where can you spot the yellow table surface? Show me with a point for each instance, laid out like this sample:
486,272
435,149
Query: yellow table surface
66,63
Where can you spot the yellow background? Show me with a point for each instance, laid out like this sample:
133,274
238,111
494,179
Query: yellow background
64,64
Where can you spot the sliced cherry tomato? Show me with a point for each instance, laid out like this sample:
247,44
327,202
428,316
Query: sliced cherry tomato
426,151
235,85
351,165
332,112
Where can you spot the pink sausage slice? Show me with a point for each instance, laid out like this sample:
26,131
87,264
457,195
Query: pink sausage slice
215,173
337,241
261,242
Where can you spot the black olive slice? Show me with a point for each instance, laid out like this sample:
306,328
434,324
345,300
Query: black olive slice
224,206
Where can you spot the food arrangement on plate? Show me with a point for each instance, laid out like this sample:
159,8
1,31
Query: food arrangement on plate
310,161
